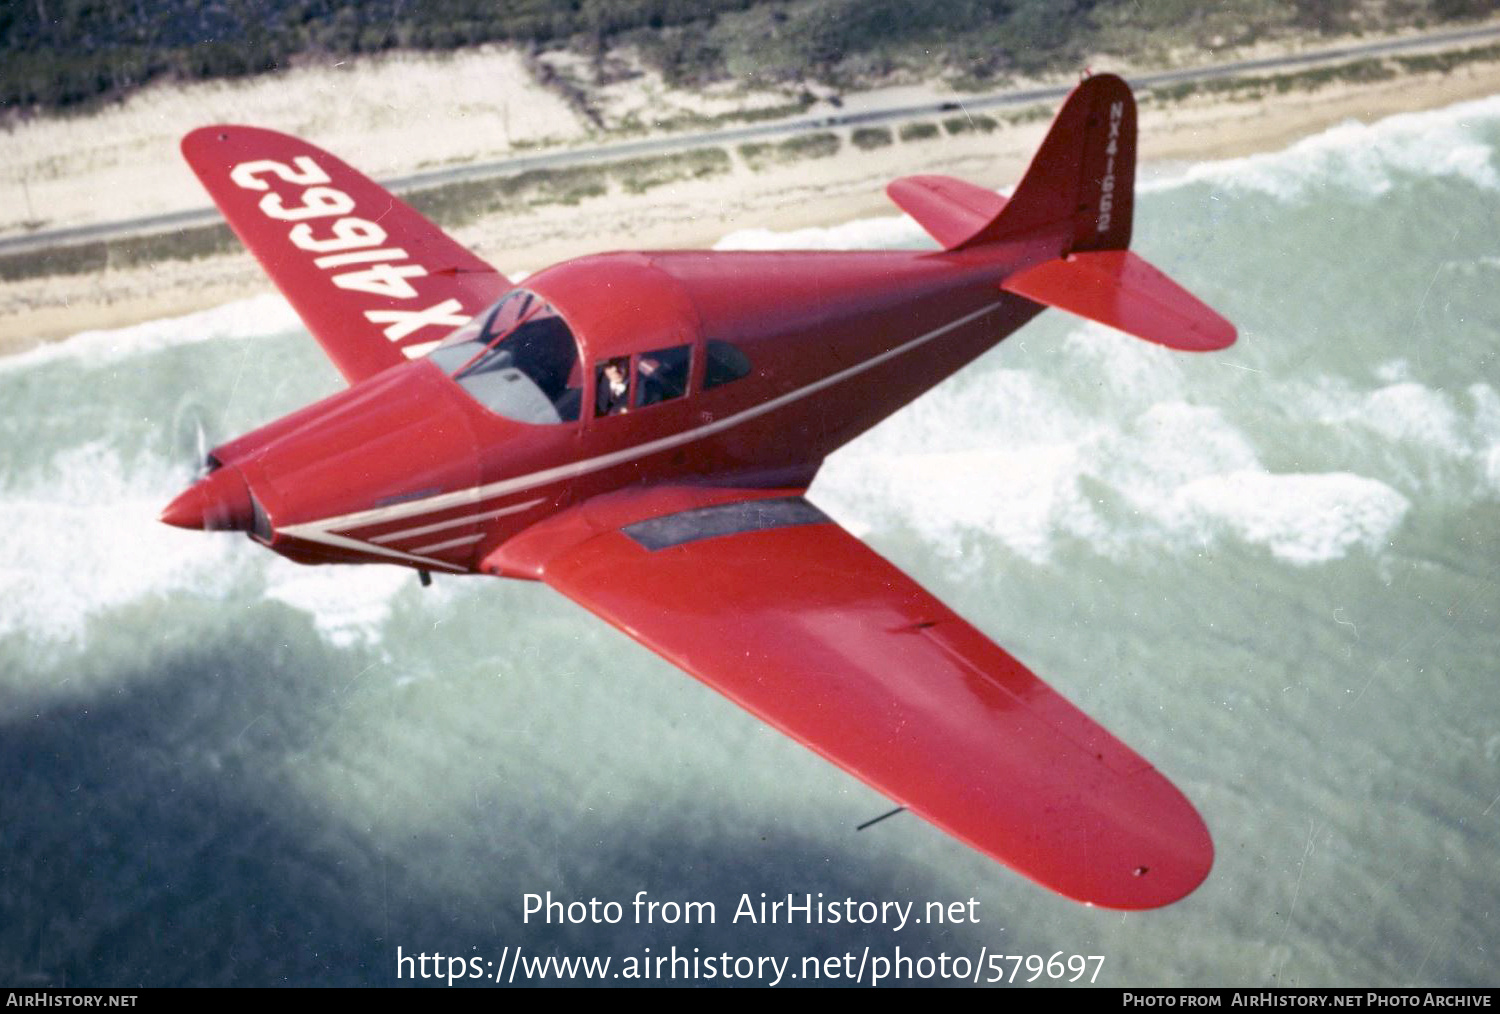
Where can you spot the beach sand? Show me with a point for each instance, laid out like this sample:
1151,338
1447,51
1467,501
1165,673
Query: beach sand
379,116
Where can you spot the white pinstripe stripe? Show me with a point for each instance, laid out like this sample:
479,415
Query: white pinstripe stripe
322,529
438,547
344,542
455,522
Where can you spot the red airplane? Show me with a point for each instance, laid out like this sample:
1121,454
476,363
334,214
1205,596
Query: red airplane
639,430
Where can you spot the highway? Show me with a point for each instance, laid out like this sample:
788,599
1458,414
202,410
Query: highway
565,158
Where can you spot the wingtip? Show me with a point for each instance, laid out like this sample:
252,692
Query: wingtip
1165,869
202,136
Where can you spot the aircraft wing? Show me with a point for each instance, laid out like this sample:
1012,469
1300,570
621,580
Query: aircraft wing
770,602
375,282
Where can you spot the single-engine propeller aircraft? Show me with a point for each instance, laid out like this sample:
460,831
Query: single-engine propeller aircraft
639,431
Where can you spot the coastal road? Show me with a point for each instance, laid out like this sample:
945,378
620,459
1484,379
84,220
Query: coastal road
153,224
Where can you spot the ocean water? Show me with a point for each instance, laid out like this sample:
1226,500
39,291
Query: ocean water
1271,570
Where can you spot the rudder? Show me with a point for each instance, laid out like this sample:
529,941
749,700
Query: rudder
1075,207
1081,181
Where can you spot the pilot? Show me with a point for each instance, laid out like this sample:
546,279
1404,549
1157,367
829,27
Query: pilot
610,389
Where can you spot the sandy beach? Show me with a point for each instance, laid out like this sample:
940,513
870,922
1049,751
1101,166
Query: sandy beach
395,115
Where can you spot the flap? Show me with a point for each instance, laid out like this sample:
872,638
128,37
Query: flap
375,282
784,612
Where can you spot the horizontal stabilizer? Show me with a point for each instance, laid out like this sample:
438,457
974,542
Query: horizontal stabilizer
1118,288
951,210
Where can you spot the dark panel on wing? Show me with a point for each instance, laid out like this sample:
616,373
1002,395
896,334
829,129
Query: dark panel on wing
725,519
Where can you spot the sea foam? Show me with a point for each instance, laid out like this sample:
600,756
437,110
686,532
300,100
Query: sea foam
1102,439
245,318
1366,158
891,232
82,538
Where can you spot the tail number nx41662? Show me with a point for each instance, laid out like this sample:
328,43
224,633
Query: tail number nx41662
1107,184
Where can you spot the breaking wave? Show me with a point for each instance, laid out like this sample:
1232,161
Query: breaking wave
1094,437
1366,159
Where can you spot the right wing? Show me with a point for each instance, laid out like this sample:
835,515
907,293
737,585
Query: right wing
375,281
765,599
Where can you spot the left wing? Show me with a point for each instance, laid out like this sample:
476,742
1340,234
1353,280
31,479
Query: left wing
765,599
375,281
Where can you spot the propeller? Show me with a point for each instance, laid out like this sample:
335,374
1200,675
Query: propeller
218,499
191,440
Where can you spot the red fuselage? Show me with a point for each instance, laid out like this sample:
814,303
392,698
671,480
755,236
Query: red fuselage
407,468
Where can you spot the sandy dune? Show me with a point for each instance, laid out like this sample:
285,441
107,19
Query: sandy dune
402,113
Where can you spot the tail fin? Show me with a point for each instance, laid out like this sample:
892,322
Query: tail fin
1082,179
1079,193
1080,185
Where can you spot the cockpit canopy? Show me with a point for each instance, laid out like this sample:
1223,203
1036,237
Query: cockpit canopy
518,359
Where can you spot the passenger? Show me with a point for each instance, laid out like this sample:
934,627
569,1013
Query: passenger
648,384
